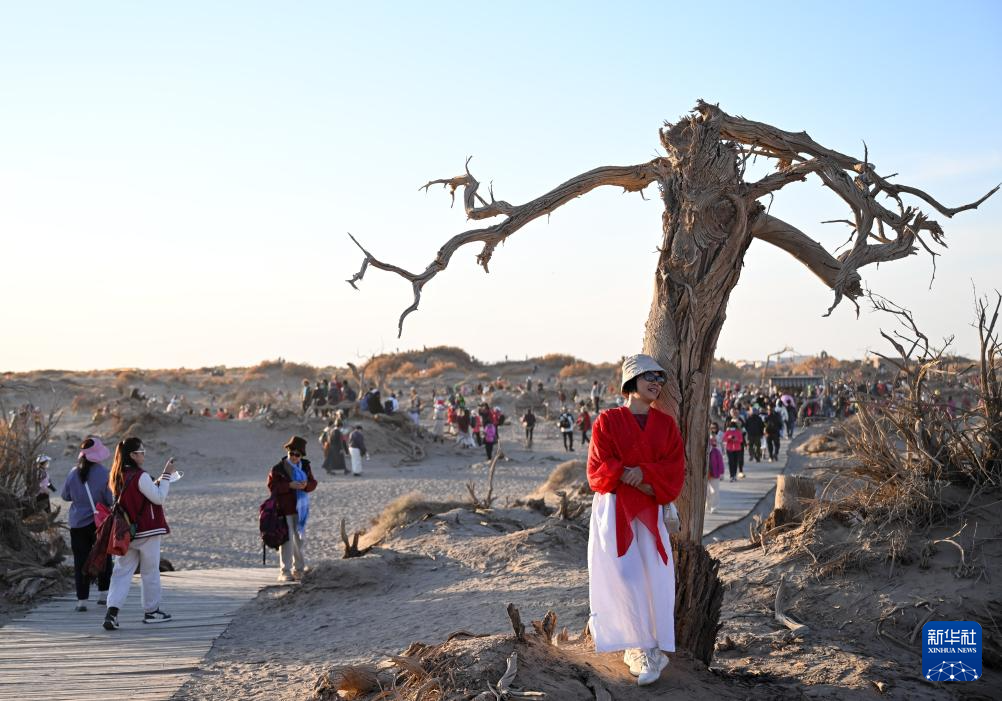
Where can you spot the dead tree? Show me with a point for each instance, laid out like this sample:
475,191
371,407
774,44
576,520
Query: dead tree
711,216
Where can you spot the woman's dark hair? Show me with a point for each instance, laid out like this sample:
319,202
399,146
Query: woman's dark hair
123,460
83,464
630,386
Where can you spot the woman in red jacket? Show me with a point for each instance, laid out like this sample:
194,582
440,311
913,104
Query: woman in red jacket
636,466
142,497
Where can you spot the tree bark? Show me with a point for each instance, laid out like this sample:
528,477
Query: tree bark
706,231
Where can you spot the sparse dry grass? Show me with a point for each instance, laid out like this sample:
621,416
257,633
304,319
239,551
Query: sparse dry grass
403,510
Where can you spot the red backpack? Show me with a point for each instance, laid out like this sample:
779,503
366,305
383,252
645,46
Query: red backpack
274,529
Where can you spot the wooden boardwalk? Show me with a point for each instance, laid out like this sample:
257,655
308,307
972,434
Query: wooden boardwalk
57,653
738,499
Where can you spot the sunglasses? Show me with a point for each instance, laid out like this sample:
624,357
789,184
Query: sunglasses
654,376
140,452
294,454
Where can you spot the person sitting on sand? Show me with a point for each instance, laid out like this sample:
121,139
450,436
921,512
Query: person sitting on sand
636,467
290,482
142,498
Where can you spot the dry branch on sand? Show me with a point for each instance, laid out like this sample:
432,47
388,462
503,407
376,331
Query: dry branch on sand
31,540
907,452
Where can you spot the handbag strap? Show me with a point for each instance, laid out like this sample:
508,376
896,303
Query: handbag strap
90,498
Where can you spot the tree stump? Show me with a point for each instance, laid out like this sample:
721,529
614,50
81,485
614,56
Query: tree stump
793,493
697,589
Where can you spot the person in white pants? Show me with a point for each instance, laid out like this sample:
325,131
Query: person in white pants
356,449
636,468
142,500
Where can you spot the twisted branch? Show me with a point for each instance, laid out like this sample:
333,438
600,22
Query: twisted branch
856,182
631,178
798,155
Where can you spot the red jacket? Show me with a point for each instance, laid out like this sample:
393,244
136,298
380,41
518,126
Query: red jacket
618,442
148,517
278,482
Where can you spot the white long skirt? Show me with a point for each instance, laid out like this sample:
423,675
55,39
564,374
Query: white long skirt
633,596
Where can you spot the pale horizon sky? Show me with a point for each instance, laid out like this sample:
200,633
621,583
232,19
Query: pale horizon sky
177,180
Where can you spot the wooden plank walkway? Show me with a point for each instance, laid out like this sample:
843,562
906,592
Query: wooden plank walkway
57,653
738,499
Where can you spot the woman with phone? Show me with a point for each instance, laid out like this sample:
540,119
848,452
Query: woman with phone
142,498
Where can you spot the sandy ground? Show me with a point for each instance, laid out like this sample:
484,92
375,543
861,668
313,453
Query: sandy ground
213,509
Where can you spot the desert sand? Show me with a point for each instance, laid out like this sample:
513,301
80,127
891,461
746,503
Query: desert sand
442,572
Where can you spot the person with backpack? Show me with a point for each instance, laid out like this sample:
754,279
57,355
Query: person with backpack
142,499
565,422
490,439
290,481
85,487
734,442
636,467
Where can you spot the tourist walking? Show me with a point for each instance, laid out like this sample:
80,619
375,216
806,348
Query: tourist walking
636,467
42,502
85,487
791,417
334,447
438,413
715,468
142,498
583,423
356,449
754,430
565,422
490,439
290,482
596,396
734,442
307,396
529,422
773,432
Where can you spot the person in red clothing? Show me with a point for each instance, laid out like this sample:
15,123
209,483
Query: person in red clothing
734,443
584,424
142,498
636,467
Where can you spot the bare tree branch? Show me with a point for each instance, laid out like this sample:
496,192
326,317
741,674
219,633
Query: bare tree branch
631,178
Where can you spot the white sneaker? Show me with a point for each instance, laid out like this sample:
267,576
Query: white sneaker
285,577
632,657
652,663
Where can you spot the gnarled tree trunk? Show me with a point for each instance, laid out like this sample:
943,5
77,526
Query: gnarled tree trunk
707,229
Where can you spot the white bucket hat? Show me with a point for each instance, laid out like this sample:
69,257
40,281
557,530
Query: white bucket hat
637,365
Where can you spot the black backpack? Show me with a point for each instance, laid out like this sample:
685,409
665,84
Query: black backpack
274,529
565,421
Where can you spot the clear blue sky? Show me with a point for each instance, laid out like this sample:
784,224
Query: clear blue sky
177,179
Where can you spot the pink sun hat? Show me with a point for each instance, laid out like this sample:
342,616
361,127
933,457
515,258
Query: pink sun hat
97,452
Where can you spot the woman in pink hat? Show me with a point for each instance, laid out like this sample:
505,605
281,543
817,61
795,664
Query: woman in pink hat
87,486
